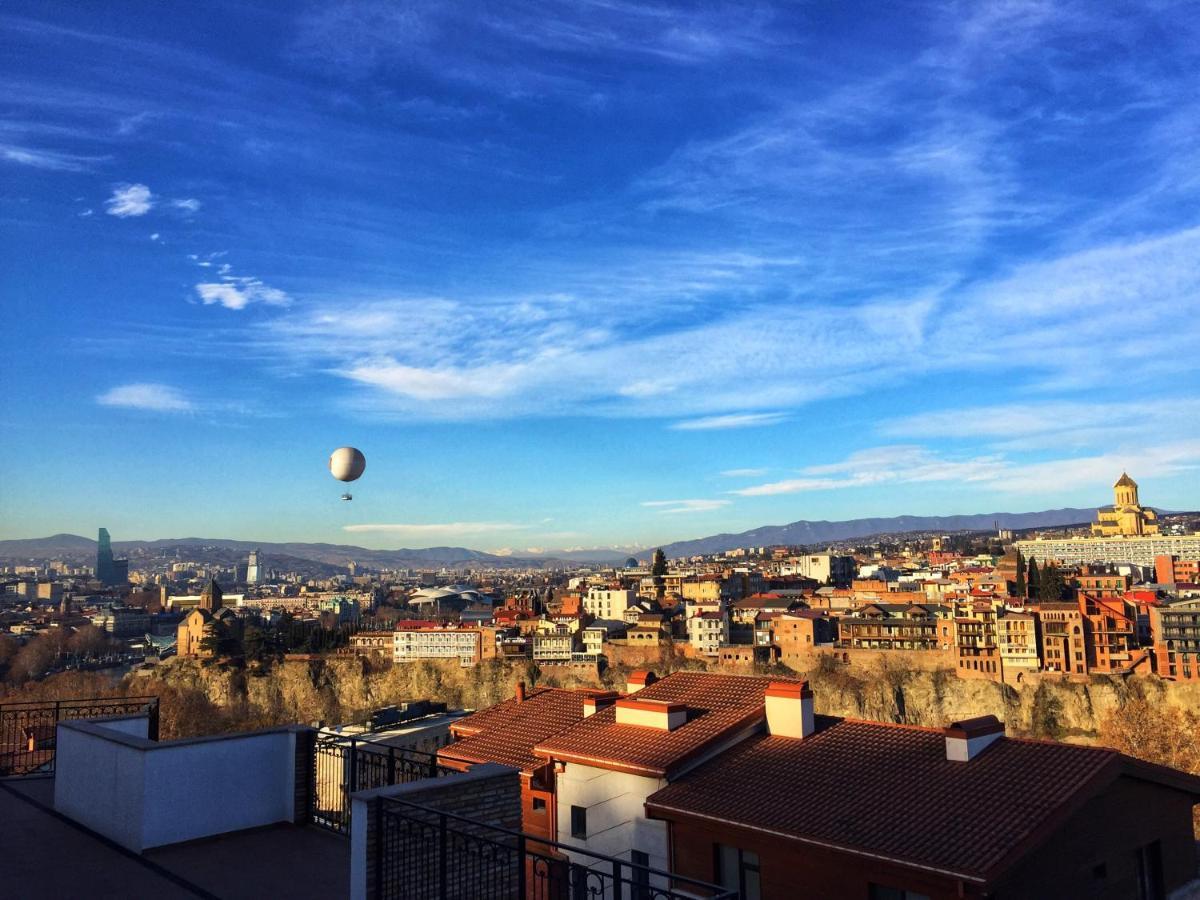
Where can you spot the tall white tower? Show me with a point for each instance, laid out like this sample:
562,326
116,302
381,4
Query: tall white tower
253,570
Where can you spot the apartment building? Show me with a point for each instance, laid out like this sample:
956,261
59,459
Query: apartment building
463,644
896,626
608,603
707,631
1064,645
1017,635
976,642
1176,631
1110,633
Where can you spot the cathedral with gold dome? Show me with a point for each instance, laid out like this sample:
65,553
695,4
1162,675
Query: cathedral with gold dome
1125,518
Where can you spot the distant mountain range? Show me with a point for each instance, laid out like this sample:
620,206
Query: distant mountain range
331,557
328,558
821,532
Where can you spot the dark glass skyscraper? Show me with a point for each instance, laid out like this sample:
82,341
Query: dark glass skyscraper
109,571
104,558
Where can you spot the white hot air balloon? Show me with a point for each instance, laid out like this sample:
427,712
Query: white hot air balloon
347,464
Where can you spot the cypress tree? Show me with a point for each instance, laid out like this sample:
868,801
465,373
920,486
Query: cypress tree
1021,589
1032,579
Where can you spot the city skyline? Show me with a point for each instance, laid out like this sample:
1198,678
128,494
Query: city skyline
583,276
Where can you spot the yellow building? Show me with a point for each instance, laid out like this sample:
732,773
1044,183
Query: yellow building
1125,517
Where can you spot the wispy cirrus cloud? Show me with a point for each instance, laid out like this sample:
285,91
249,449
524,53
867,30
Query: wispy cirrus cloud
51,160
732,420
672,507
743,473
910,464
148,396
129,200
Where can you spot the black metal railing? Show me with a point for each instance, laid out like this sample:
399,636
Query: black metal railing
423,853
28,730
343,765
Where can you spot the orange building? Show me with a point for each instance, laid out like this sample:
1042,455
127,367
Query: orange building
1110,633
1064,645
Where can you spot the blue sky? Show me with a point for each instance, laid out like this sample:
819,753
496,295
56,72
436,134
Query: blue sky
592,273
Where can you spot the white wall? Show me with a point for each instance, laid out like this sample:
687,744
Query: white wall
616,813
200,789
144,794
98,782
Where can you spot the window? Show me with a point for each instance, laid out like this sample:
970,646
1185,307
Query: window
1149,872
539,805
641,877
737,869
578,822
882,892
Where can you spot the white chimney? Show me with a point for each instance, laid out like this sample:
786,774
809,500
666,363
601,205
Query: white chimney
790,709
597,701
967,739
657,714
639,679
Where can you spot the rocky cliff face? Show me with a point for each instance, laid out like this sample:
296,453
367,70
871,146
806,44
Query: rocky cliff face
347,689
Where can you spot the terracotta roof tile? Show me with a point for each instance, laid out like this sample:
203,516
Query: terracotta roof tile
718,706
889,790
506,733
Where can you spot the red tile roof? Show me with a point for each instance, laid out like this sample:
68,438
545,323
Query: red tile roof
718,707
506,733
889,791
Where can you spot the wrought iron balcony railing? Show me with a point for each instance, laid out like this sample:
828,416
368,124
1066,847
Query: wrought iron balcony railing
28,729
429,854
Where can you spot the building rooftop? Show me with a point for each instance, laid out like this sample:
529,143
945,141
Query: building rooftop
718,706
507,732
962,818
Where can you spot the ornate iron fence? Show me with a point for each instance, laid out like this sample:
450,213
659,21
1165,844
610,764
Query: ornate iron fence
28,730
343,765
422,853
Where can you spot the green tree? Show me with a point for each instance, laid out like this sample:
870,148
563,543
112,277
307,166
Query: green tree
1022,590
1032,578
1051,584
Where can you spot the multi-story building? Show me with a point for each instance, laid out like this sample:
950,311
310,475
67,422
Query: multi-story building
976,643
707,631
1140,551
827,568
608,603
553,647
1017,635
899,626
1100,583
1064,644
1110,633
1176,632
440,642
124,621
799,631
1171,570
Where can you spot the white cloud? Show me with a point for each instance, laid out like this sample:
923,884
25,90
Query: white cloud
85,213
743,473
49,160
155,236
736,420
446,528
913,464
685,506
129,200
147,396
187,204
238,293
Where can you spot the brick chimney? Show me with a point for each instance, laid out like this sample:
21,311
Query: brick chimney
658,714
790,709
639,679
520,692
965,740
597,701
